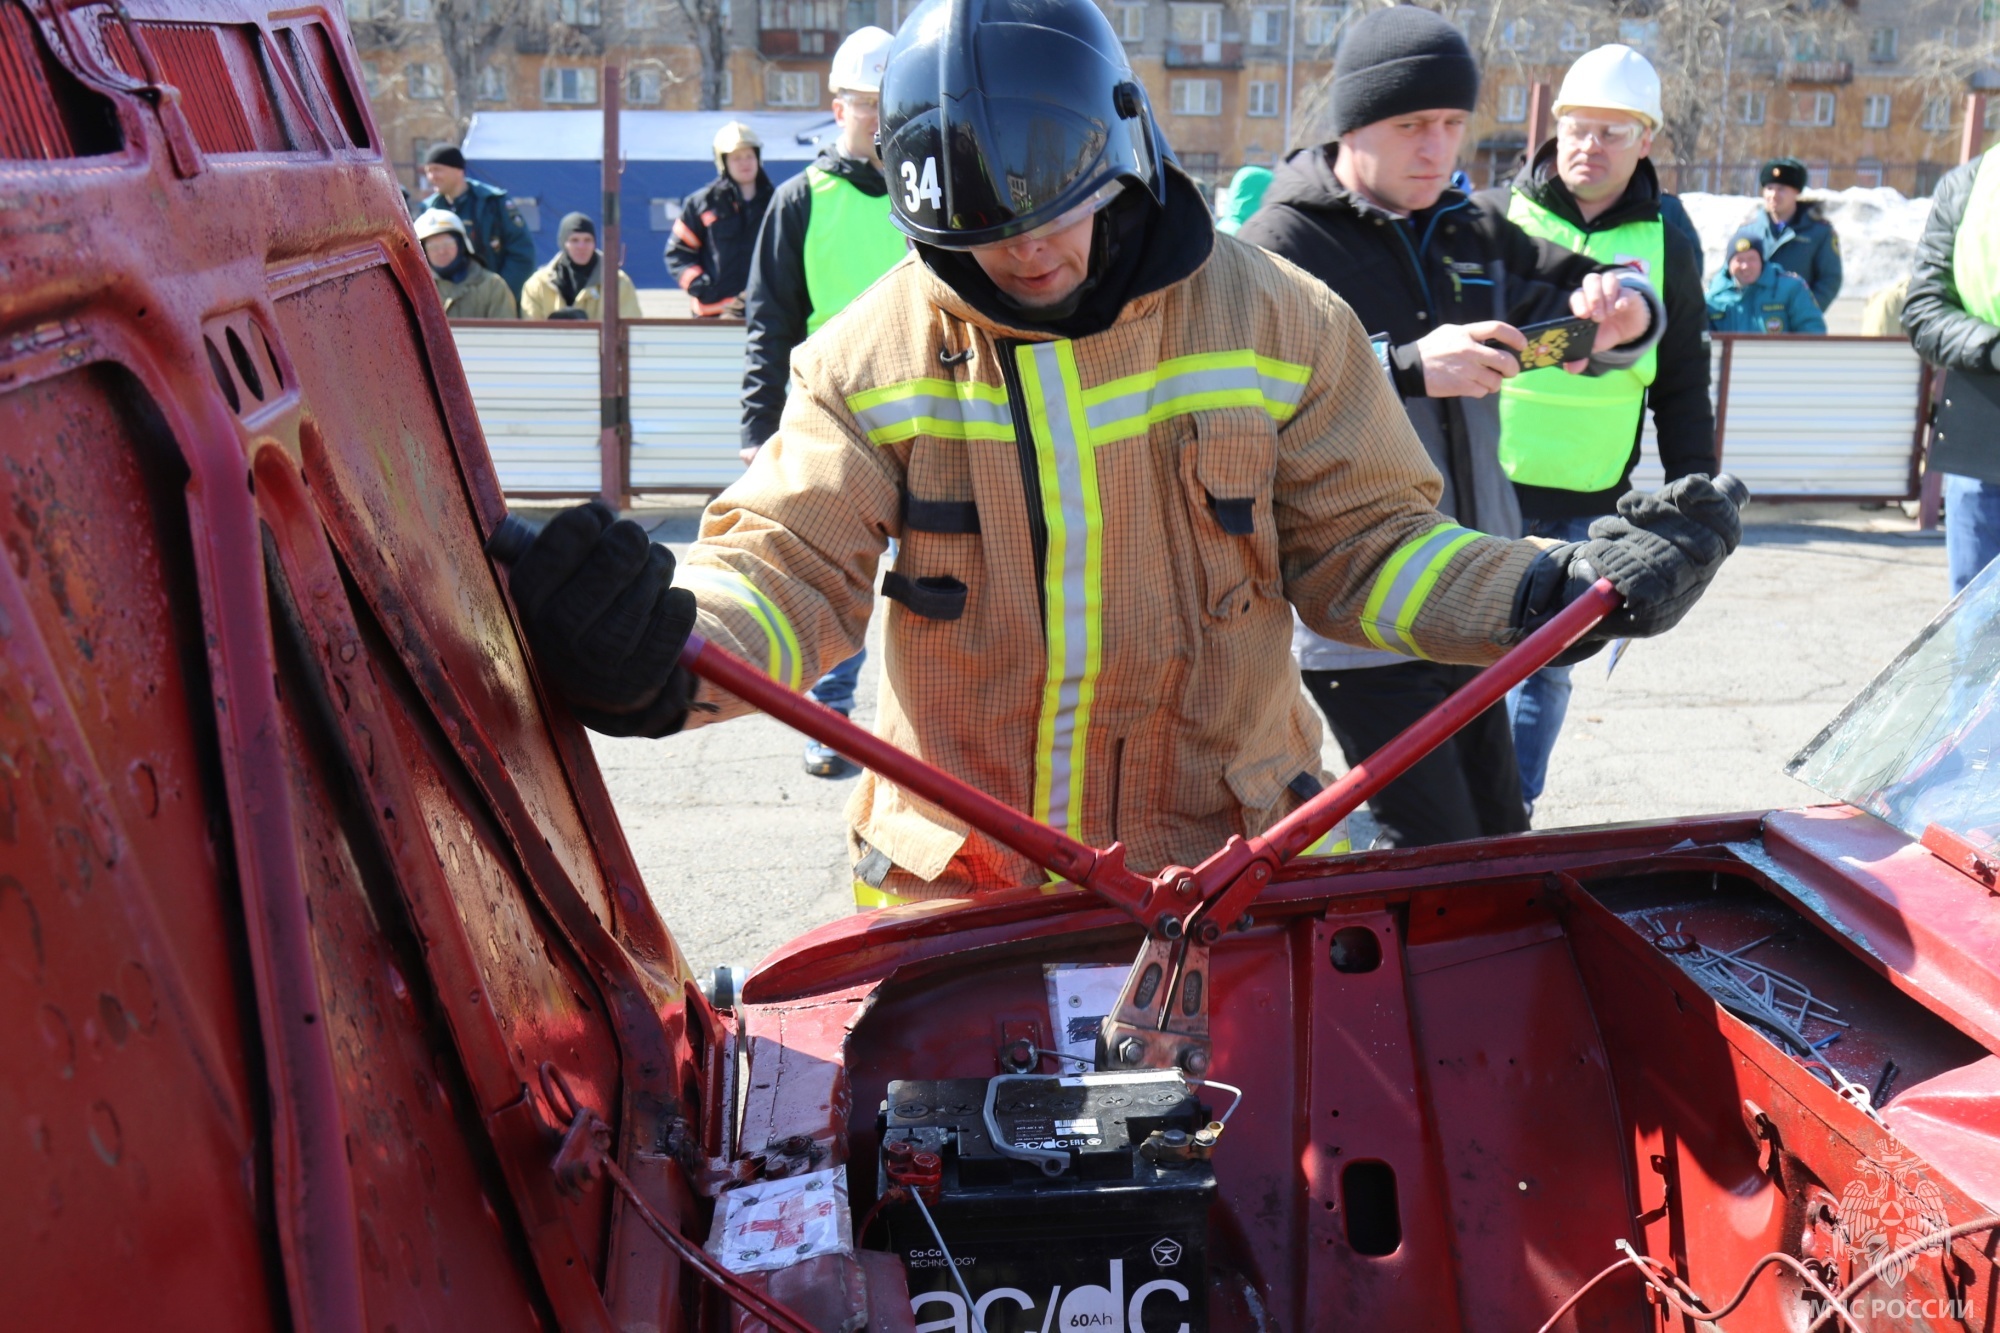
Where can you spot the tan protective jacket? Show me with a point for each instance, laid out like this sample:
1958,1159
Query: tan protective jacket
540,297
483,295
1099,540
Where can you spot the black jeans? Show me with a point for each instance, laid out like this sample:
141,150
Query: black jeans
1469,787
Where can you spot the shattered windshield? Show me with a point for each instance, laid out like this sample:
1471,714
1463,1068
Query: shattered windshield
1921,744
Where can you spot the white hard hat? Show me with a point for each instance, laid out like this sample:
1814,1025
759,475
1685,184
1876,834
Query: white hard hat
1616,77
437,221
858,64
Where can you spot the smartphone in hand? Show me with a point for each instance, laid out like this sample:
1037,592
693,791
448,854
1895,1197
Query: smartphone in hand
1552,342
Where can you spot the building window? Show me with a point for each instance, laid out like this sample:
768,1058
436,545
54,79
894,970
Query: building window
644,87
1195,25
1868,173
1875,112
1882,46
1750,111
371,81
799,15
1808,46
1812,109
578,13
1263,98
493,84
1517,35
791,87
1992,120
1323,26
569,87
1131,22
1512,107
422,82
417,11
1642,35
1195,97
1756,44
1576,36
1267,27
1819,175
1204,167
642,15
1937,114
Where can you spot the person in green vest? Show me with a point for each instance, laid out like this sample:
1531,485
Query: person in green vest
826,239
1569,442
1953,318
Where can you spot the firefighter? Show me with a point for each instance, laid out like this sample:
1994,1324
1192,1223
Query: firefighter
716,232
499,236
826,239
1114,446
467,287
1570,442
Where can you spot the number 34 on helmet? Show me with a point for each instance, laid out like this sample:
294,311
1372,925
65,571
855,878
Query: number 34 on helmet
1002,117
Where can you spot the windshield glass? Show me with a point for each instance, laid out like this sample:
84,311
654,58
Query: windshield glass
1919,746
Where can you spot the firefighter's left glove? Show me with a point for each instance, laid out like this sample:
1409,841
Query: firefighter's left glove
605,623
1660,550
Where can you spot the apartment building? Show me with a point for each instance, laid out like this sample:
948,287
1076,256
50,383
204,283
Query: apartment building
1857,96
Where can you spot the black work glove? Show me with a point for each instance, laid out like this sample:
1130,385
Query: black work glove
567,312
605,623
1659,550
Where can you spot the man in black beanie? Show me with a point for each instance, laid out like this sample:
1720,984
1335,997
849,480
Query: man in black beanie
499,238
1434,277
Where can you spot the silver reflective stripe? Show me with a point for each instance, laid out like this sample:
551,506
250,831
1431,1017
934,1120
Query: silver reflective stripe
1394,608
1069,487
1289,393
951,415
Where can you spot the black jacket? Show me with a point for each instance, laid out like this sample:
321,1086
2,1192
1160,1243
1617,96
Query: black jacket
1966,440
1683,417
1455,263
775,304
713,240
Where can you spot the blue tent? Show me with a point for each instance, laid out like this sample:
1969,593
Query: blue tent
551,162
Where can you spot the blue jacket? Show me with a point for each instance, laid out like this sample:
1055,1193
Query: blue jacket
1778,302
500,239
1809,248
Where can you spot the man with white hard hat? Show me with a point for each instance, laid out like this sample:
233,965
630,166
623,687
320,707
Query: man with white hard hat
1569,442
825,240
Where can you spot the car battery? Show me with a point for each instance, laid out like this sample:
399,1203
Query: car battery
1104,1233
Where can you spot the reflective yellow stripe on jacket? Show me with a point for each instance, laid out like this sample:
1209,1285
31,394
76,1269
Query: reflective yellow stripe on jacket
782,658
1405,583
1066,424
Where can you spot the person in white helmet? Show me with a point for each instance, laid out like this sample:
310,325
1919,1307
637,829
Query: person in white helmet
716,232
1569,442
468,288
826,239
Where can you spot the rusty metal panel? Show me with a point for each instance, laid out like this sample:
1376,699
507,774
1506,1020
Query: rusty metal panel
536,387
686,393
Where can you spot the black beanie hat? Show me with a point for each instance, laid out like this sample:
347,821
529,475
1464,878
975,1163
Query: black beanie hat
1397,61
574,222
1783,171
444,155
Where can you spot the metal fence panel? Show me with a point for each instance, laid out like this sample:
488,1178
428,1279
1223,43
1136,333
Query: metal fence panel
686,405
535,388
1821,416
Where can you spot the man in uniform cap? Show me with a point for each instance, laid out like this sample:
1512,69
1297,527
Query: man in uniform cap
1791,232
492,223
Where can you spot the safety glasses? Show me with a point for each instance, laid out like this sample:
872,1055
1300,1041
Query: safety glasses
1614,135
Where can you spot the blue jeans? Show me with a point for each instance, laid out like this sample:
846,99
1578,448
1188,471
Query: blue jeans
1971,527
1538,704
836,688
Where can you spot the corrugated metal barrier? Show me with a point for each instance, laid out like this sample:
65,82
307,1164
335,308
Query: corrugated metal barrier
1800,418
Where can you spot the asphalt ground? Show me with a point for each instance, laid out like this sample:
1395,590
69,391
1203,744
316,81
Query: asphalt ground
742,850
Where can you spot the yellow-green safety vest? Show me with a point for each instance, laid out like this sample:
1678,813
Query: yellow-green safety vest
1575,432
850,242
1975,251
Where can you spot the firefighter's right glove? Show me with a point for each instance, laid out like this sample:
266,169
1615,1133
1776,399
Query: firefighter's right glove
1660,552
605,623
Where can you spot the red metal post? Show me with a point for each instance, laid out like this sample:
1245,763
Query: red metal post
614,470
1541,117
1722,390
1972,135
